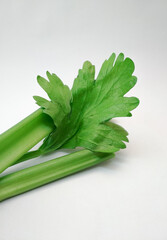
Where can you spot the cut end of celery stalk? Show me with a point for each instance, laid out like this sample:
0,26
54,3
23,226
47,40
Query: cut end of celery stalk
18,140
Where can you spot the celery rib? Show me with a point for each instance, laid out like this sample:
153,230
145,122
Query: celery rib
36,176
18,140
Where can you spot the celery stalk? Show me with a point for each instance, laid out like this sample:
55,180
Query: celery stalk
16,141
33,177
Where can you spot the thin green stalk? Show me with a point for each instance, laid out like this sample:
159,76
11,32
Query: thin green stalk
28,156
36,176
18,140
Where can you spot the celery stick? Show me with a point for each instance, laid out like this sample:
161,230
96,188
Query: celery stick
16,141
36,176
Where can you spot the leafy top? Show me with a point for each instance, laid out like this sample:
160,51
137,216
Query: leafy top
60,96
82,118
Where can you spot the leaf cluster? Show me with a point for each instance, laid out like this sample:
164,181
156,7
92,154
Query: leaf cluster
82,115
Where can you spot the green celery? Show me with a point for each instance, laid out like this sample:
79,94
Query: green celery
36,176
16,141
77,117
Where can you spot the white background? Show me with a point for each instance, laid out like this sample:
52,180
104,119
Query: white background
125,198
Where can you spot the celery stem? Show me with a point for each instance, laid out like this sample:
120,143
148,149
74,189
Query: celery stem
18,140
33,177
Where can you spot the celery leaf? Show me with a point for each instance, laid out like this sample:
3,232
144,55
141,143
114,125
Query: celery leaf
95,102
60,96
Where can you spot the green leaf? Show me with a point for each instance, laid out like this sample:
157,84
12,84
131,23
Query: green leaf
106,67
95,102
60,96
107,137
